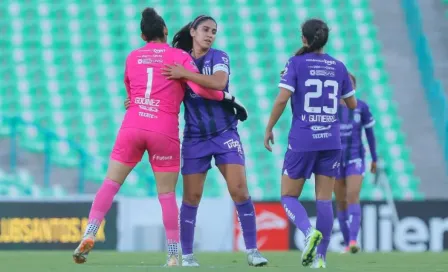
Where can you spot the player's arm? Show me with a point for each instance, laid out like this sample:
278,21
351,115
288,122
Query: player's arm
278,108
277,111
205,92
368,123
127,83
287,85
348,91
241,112
217,81
188,64
351,101
208,92
370,135
221,71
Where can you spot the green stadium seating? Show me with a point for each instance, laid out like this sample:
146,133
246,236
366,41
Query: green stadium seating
62,64
21,184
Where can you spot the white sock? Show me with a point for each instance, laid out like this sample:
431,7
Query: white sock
91,228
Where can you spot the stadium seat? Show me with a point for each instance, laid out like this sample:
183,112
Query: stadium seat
21,184
61,67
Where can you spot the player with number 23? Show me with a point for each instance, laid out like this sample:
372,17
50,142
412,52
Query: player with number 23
314,81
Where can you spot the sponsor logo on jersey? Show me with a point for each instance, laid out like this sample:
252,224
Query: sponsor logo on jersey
320,128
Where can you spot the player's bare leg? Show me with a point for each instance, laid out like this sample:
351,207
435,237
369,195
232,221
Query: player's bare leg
116,174
340,192
166,184
324,192
193,189
291,190
235,176
354,184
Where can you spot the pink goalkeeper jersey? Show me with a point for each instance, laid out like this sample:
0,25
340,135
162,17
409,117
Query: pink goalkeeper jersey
155,100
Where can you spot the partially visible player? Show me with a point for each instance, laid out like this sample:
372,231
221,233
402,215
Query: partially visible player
315,82
150,124
210,132
349,181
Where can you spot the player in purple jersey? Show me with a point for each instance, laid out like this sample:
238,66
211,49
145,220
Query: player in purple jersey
348,183
210,132
315,82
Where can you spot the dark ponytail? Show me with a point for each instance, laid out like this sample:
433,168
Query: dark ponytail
316,33
152,25
183,39
316,44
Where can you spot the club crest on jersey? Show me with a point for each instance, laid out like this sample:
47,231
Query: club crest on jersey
357,117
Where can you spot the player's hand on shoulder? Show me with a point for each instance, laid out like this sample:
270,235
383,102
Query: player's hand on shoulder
268,140
127,102
174,71
241,112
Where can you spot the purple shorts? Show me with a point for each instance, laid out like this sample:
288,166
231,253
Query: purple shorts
302,164
354,167
225,148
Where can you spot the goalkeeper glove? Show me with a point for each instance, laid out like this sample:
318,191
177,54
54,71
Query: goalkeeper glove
241,112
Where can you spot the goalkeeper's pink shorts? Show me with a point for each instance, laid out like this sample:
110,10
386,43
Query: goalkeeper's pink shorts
163,151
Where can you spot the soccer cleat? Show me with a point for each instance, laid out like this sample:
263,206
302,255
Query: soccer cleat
189,260
254,258
86,245
319,262
354,248
312,240
172,260
345,250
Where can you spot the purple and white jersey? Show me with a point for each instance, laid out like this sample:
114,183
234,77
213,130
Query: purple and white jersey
317,82
206,118
352,123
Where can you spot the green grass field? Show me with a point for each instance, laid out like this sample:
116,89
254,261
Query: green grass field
103,261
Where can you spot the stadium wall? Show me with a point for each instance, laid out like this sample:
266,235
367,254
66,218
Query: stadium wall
136,225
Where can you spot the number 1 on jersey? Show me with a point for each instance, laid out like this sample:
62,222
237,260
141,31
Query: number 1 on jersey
149,71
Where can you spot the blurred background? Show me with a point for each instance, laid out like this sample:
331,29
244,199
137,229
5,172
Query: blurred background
61,104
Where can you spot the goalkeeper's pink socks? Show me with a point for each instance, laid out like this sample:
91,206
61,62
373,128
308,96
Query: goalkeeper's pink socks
101,205
103,201
170,214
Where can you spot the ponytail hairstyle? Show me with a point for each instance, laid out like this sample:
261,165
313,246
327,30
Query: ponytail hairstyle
353,79
152,25
183,39
315,32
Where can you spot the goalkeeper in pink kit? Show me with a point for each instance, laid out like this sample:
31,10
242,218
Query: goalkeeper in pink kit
151,124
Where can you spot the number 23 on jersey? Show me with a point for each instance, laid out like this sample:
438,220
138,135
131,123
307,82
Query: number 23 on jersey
319,86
